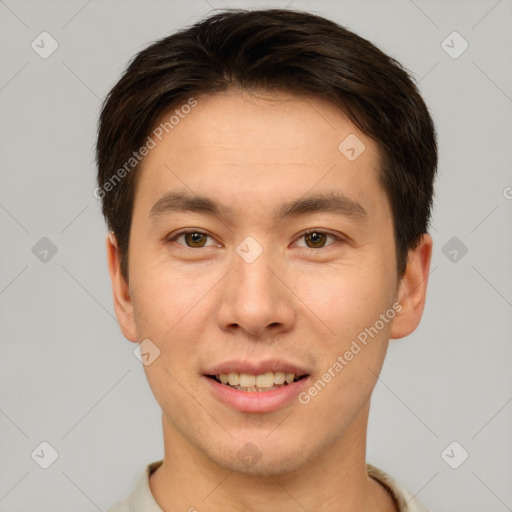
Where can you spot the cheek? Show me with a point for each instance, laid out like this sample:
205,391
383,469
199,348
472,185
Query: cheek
348,299
352,358
164,300
168,311
171,309
357,304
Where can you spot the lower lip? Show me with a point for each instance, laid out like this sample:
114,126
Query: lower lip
256,401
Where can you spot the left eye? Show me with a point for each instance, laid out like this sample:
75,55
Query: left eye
196,239
316,239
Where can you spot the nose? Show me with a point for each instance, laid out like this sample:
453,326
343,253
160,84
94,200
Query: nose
255,300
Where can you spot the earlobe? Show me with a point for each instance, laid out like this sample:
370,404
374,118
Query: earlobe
413,289
123,305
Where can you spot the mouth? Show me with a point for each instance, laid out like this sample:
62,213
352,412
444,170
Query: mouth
262,382
256,386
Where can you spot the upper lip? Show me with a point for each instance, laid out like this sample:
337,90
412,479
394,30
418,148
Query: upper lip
257,367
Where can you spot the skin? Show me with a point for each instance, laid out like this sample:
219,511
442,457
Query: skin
205,305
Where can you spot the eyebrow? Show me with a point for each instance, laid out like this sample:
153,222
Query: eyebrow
334,202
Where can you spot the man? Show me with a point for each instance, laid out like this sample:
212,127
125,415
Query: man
267,181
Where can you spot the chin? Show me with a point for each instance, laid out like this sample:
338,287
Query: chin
260,457
266,467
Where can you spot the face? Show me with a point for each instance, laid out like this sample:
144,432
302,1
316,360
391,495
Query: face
278,274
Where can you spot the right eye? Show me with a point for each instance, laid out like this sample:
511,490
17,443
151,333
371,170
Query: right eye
192,239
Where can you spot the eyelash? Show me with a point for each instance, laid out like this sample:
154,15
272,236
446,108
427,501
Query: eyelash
302,235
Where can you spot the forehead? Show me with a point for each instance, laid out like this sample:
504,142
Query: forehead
266,122
242,146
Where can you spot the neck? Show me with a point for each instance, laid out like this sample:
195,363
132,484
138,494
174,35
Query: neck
334,480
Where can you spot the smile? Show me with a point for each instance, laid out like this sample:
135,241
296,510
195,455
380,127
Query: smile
256,383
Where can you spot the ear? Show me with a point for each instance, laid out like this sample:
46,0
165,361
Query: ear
123,305
412,289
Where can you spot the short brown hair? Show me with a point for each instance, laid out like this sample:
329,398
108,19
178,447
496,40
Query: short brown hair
273,49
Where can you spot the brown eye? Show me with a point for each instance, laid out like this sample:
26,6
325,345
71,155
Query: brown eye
195,239
315,239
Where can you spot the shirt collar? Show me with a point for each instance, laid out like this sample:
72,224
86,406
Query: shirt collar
142,500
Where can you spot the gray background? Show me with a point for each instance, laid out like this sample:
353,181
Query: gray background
69,378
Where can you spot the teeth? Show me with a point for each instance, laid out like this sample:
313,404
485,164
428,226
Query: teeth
263,381
234,379
279,377
247,381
